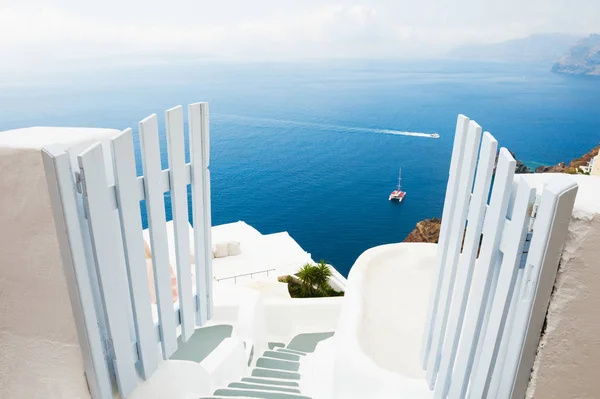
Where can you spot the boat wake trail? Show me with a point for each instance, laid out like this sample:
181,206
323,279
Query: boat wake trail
268,122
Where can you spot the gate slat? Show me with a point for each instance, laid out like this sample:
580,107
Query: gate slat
149,143
177,167
456,232
485,168
458,149
103,230
484,269
506,281
198,127
208,235
511,324
207,207
68,217
133,242
503,242
499,364
550,230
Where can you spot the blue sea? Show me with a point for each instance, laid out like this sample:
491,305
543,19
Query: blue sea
296,146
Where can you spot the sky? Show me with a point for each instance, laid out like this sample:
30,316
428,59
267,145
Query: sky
34,31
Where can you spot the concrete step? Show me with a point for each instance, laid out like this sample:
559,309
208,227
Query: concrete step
230,392
268,373
277,364
266,381
202,343
308,342
285,350
282,356
226,397
245,385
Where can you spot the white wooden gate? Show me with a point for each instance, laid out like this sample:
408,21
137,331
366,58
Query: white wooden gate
98,216
496,265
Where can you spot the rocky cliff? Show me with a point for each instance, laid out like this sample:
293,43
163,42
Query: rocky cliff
426,231
429,230
573,166
582,59
521,167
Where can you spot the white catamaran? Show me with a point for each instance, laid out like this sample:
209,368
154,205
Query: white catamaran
398,194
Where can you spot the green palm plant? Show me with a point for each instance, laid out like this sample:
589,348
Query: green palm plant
323,272
314,279
308,277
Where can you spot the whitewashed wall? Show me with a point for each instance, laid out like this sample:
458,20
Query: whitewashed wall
596,168
40,354
377,362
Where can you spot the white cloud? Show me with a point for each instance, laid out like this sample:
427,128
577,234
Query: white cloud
283,29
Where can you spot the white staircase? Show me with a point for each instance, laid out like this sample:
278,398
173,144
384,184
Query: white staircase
276,375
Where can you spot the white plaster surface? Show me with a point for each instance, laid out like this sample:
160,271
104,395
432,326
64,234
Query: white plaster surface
177,379
587,202
397,284
286,318
254,253
379,333
39,349
269,289
568,356
596,168
250,325
258,253
317,371
227,363
283,318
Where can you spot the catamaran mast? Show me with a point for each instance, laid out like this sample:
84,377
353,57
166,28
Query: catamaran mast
399,178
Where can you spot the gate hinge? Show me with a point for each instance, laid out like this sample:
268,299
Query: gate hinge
109,349
109,355
533,213
137,354
534,210
80,182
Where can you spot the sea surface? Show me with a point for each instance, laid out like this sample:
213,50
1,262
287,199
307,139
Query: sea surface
302,147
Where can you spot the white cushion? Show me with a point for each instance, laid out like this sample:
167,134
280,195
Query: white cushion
220,250
234,248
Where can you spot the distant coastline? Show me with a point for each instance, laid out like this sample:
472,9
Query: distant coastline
428,230
542,48
566,53
582,59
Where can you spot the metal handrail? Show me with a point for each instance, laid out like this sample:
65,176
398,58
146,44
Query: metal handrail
245,274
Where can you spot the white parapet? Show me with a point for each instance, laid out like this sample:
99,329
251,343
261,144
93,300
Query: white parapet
568,356
377,340
39,346
595,170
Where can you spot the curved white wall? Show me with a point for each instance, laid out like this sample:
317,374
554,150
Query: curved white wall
286,318
379,332
283,318
227,363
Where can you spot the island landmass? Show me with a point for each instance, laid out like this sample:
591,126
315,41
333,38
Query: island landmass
582,59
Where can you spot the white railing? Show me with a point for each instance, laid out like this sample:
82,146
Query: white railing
245,275
101,240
